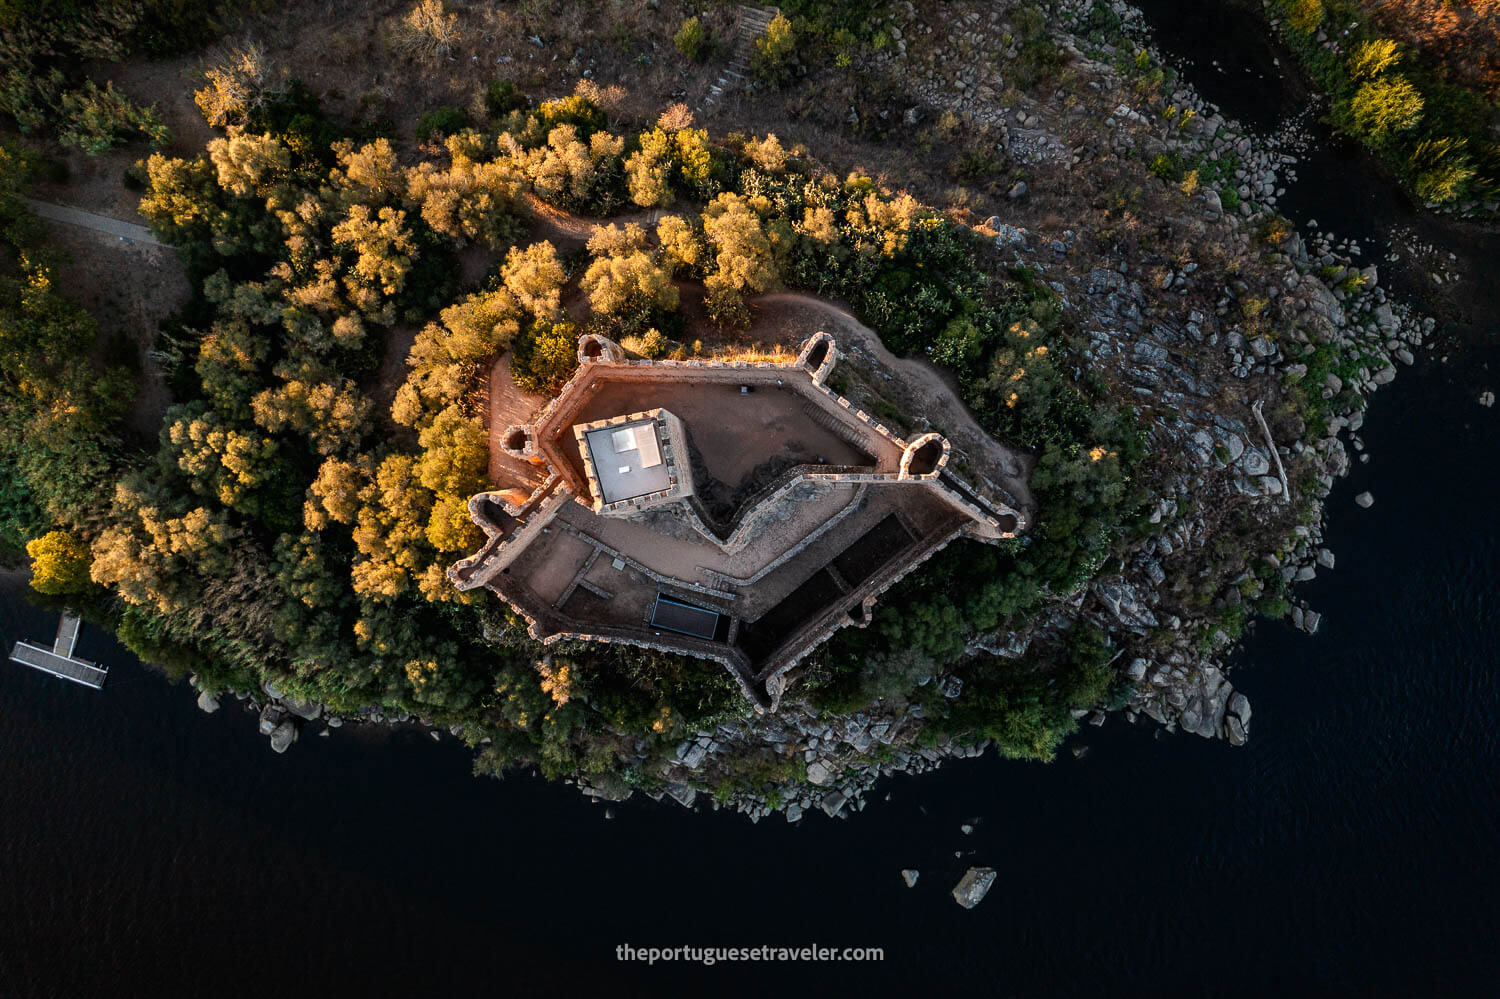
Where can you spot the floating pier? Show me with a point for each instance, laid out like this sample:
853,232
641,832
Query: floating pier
59,660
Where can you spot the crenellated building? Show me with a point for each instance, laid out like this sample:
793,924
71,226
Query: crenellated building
735,511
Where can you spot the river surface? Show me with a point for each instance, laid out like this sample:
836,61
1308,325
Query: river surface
1350,848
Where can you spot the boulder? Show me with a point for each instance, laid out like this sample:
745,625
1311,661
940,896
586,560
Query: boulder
973,886
1126,605
271,716
818,773
682,794
208,702
691,753
1255,462
832,802
283,735
1234,731
306,710
1008,235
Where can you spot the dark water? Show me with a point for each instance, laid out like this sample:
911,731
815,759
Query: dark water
1350,848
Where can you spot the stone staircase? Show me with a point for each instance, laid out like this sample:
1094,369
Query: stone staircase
752,23
839,428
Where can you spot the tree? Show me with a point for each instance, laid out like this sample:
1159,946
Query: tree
445,356
574,175
766,153
384,250
742,254
181,199
545,357
229,359
221,461
648,170
695,162
625,284
244,160
1373,57
239,87
334,494
158,545
775,52
59,564
1443,169
470,200
1306,15
535,277
389,530
331,414
882,225
1383,107
96,120
692,40
682,250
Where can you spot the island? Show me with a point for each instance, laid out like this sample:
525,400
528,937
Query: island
735,404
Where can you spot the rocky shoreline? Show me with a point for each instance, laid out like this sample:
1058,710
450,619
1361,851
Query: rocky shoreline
1195,357
1179,336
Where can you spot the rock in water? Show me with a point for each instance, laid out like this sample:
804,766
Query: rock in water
910,877
1365,500
973,886
283,736
1486,398
208,702
270,717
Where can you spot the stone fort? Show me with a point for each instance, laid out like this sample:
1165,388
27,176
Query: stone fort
730,510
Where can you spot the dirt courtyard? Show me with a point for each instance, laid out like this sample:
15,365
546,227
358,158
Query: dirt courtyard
734,433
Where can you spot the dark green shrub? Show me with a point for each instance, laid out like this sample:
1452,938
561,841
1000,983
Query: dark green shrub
441,122
502,97
545,356
775,57
692,40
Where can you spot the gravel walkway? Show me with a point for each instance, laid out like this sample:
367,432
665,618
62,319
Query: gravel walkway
127,231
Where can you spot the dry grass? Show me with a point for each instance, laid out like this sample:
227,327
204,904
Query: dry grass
428,31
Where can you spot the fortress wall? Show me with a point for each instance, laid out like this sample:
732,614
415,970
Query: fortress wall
820,629
493,558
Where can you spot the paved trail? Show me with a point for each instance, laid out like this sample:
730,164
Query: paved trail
128,231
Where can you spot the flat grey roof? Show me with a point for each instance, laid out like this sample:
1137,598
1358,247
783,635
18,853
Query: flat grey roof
627,460
674,615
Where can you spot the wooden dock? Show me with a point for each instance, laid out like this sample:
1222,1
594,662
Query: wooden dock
59,660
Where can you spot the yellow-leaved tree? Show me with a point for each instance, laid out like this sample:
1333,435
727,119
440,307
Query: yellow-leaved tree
59,563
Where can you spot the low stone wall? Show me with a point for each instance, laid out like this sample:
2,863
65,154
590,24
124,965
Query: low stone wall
500,551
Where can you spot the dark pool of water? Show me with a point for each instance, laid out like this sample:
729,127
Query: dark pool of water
1349,849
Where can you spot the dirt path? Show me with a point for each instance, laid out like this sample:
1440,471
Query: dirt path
575,228
128,231
935,390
